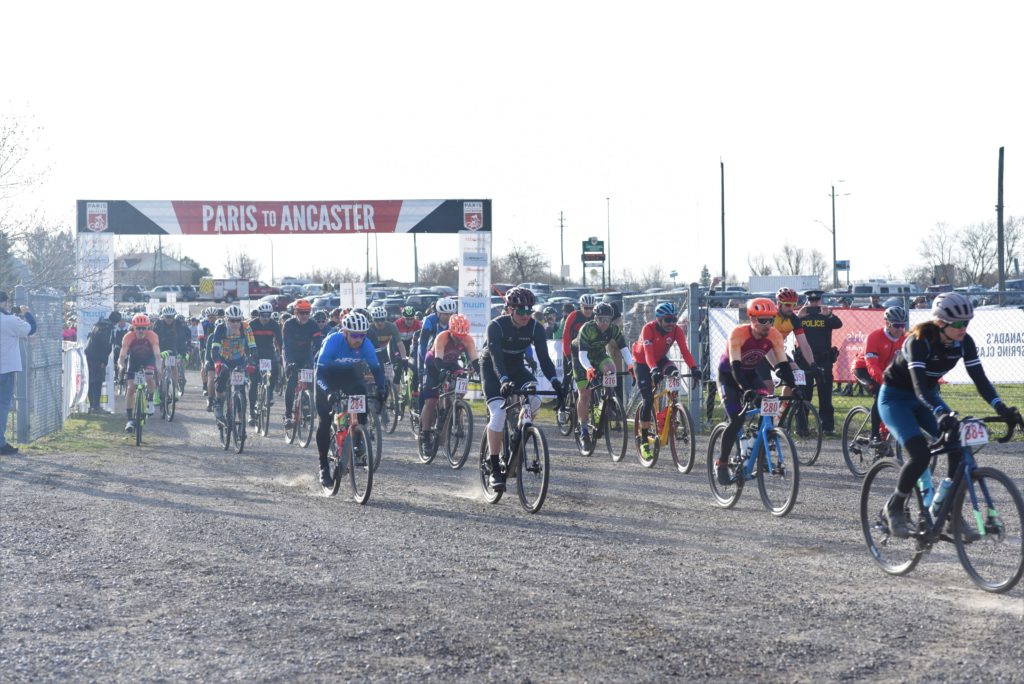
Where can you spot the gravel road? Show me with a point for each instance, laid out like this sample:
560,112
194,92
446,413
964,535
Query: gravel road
178,561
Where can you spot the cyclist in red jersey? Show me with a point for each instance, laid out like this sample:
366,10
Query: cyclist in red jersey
571,330
880,347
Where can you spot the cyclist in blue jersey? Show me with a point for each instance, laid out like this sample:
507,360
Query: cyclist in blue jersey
432,325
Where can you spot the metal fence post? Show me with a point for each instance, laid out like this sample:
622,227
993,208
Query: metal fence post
693,342
21,385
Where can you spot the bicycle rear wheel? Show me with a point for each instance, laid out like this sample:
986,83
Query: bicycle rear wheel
360,464
533,473
681,440
779,487
994,562
803,425
459,435
725,495
616,430
238,404
490,495
894,555
306,418
857,451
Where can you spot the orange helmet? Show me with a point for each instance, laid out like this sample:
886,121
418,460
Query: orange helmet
761,307
302,306
786,295
458,324
140,320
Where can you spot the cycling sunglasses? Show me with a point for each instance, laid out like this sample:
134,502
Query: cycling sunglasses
523,311
587,308
668,319
959,325
355,335
898,325
141,328
765,321
234,320
603,319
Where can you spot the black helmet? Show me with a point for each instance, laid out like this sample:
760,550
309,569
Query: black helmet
604,309
519,297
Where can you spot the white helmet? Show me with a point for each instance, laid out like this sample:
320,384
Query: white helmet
168,311
445,305
952,307
378,313
265,308
355,322
587,300
233,312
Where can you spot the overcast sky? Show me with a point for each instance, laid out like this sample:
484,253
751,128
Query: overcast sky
543,107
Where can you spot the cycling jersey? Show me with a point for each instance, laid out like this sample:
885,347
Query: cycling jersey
654,345
268,338
788,323
453,348
431,326
140,350
918,365
387,339
506,347
336,352
232,348
592,345
170,335
300,341
571,330
406,328
879,349
750,350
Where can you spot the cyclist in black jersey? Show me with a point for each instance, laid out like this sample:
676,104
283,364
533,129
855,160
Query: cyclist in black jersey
301,339
267,334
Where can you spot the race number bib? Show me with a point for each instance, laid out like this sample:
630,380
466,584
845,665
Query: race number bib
357,403
800,377
461,385
973,433
673,383
237,378
306,375
609,380
140,377
389,371
771,407
170,361
266,365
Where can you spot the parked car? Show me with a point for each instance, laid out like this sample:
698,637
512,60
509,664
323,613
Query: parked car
537,288
189,293
313,289
327,302
443,290
160,293
499,288
279,302
128,293
420,302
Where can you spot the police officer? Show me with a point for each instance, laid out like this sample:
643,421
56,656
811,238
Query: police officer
818,322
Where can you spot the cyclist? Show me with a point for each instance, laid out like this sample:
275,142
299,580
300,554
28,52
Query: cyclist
590,357
432,325
503,367
449,347
140,350
738,379
172,338
301,340
408,326
206,328
340,367
650,354
232,347
322,322
267,334
571,329
909,401
880,347
786,322
388,341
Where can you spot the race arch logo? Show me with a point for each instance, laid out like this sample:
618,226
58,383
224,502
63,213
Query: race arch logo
473,215
96,216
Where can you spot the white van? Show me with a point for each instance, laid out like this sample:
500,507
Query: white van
884,288
313,289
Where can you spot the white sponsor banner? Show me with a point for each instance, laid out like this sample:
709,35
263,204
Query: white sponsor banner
999,335
475,281
94,285
352,295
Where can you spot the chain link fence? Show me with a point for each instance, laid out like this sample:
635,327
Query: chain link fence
38,396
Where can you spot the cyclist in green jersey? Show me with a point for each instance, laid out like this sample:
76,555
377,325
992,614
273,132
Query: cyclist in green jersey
590,357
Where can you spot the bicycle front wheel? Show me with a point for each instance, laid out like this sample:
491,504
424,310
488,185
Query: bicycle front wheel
459,435
894,555
726,495
239,410
533,471
290,433
778,479
803,425
374,437
990,541
140,414
681,441
857,451
360,464
263,417
616,431
389,417
306,418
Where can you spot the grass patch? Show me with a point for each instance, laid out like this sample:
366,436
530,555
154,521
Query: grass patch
87,433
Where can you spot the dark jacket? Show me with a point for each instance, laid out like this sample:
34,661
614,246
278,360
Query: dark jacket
818,332
100,342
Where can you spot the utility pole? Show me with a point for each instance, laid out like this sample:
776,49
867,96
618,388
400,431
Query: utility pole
721,165
561,244
608,242
367,258
835,272
1001,246
376,255
415,262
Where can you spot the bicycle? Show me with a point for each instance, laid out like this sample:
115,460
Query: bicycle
263,397
233,425
390,412
453,421
806,433
565,417
350,448
194,359
673,427
607,419
989,539
120,383
524,452
302,411
759,452
858,450
139,411
168,395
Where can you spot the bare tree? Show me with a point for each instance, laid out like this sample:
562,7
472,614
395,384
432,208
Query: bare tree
441,273
652,276
759,266
790,260
1013,240
524,263
939,250
977,258
332,275
17,172
242,265
819,266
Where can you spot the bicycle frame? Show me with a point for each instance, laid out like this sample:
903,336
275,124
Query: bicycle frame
766,424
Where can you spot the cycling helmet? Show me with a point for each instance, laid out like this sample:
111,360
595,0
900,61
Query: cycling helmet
114,317
549,311
665,309
761,307
604,309
336,312
140,321
446,305
290,308
458,324
168,311
378,313
265,308
275,316
518,297
786,295
302,306
320,316
895,314
355,322
233,312
220,312
952,307
180,318
408,312
587,300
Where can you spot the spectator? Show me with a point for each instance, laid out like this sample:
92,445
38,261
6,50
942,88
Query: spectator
97,353
921,303
12,328
818,322
875,302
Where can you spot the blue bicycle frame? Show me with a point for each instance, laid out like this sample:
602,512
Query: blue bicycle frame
761,442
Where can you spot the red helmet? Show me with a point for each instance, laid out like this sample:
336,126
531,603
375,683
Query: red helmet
458,324
761,307
786,295
140,321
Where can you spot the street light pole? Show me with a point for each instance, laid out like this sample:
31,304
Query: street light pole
835,272
608,241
